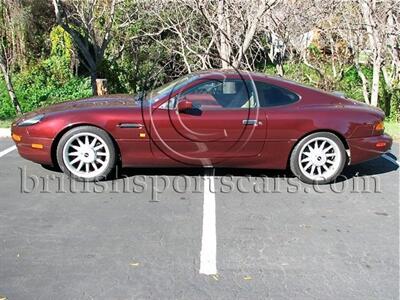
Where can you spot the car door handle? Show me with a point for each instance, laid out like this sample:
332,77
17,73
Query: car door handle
130,125
249,122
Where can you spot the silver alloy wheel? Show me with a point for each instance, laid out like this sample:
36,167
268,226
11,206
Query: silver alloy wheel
319,158
86,155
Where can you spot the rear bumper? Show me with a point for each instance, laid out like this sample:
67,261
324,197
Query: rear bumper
32,148
363,149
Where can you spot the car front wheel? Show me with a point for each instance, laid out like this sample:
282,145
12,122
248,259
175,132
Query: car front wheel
86,153
318,158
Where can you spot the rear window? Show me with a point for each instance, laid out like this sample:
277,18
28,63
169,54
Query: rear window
272,95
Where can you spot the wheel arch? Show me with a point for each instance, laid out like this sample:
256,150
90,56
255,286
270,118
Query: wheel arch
68,128
339,135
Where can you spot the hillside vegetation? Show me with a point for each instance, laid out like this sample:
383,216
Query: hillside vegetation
54,51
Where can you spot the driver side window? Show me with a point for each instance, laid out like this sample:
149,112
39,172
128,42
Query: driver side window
218,94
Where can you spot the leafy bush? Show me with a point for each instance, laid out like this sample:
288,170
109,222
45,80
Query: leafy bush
35,90
395,106
6,109
49,81
350,84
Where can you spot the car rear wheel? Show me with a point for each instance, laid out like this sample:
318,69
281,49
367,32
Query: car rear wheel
318,158
86,153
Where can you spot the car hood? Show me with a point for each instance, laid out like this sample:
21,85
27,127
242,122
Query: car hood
92,102
107,101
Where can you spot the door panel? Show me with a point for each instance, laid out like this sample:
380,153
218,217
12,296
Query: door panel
208,136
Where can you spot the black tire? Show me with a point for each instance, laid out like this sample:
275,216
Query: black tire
54,168
105,169
332,173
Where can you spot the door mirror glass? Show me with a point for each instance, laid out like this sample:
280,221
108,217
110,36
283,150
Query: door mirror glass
184,105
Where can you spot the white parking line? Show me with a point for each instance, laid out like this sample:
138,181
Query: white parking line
396,162
208,254
8,150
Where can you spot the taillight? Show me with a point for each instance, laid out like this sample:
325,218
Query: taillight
380,144
379,127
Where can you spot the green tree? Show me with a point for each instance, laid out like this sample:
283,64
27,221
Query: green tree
7,51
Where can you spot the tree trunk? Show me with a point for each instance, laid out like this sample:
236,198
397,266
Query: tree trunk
386,95
10,88
375,81
279,69
364,83
93,77
224,52
276,57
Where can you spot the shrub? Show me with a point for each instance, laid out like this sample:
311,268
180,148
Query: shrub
35,90
48,81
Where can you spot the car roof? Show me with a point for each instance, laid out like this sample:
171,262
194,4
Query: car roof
227,72
236,73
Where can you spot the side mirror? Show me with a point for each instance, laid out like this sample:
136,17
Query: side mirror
184,105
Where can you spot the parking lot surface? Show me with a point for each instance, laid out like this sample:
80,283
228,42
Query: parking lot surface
148,234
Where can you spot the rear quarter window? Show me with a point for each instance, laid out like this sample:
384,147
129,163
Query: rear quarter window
270,95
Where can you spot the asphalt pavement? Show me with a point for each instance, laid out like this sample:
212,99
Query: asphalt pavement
195,234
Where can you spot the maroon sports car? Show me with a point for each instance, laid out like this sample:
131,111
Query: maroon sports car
212,119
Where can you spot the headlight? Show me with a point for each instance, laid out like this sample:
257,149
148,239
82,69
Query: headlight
31,121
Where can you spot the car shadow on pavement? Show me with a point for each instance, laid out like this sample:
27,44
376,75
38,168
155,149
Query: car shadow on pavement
374,167
369,168
195,171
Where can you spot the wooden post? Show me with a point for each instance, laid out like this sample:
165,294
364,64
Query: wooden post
101,87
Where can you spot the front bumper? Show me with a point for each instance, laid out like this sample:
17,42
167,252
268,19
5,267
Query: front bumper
36,149
367,148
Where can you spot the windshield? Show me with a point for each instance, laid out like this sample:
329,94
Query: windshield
168,88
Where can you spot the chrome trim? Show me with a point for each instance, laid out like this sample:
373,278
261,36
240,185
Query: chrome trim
249,122
130,125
